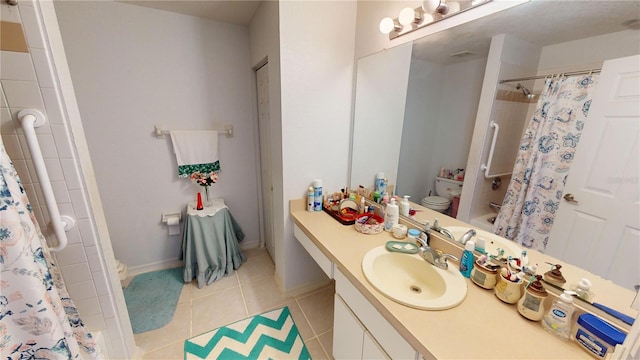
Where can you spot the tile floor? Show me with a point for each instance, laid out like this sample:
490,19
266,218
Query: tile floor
248,291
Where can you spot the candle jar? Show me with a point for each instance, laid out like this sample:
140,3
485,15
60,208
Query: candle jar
483,276
507,290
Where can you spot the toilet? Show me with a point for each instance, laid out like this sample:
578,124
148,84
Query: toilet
446,189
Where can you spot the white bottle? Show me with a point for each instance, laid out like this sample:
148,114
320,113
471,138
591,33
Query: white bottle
404,206
391,215
317,195
582,289
560,316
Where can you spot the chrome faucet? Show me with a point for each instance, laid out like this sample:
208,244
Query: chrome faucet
467,236
436,227
433,256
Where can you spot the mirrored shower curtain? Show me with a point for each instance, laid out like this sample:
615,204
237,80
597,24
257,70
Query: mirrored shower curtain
38,320
543,161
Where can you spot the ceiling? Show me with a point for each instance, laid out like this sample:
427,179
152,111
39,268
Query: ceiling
239,12
540,22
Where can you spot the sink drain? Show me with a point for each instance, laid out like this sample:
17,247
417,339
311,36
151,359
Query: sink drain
415,289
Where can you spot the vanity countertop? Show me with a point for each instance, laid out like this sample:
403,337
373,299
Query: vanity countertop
481,327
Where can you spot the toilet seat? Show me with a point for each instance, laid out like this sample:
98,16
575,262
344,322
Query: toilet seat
437,203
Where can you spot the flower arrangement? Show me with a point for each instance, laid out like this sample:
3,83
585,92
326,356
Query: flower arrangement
204,179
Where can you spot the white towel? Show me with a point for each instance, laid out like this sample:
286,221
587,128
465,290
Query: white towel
196,151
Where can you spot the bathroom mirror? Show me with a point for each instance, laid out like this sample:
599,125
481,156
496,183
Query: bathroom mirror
437,123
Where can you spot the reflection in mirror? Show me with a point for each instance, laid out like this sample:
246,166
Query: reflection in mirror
461,94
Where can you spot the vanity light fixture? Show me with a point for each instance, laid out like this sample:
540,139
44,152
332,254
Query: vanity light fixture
431,11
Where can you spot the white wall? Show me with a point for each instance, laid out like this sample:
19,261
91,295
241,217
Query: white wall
135,67
316,79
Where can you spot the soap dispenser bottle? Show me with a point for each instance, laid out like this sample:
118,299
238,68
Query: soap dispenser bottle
391,215
583,291
404,206
559,317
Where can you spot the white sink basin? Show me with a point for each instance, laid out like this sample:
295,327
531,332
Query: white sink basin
492,241
410,280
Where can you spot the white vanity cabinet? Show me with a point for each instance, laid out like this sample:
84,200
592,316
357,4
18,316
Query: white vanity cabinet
350,338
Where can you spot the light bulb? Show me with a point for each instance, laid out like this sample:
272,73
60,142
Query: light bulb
427,18
407,16
386,25
429,6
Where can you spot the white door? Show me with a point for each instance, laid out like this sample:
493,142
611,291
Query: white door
266,177
600,231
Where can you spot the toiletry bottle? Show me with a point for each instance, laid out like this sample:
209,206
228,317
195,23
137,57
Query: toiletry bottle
583,291
317,195
363,207
466,263
404,206
531,304
391,215
310,197
558,319
379,184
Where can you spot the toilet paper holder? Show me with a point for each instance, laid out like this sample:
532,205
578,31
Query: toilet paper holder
166,217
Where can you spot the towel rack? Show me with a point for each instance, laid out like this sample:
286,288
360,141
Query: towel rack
226,129
31,119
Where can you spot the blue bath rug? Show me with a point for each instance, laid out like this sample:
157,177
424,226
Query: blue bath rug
272,335
152,298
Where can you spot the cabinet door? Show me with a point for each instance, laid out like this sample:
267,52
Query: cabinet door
347,332
371,350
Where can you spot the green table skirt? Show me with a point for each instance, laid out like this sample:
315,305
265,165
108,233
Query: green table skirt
210,248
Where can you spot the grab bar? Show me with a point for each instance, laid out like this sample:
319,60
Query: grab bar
487,166
31,119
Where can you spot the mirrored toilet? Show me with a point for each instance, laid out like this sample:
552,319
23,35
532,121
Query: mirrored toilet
446,189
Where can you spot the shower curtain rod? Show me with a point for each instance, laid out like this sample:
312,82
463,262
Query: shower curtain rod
569,73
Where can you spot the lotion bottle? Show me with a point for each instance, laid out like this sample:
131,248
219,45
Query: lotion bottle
404,206
310,197
391,215
466,263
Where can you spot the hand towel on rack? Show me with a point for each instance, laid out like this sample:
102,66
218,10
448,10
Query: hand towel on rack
196,151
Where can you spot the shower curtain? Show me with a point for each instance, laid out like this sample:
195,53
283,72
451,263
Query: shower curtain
543,161
38,320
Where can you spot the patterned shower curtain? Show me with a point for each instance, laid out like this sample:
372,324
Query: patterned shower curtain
38,320
542,165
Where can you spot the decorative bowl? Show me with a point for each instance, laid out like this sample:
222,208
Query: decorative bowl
369,224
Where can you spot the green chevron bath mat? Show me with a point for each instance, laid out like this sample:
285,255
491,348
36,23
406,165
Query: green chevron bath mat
272,335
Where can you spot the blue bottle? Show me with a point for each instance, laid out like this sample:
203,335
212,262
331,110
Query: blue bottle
466,263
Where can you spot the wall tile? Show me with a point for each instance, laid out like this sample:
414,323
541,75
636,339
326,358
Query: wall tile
47,146
70,174
86,232
90,306
66,209
7,124
62,141
12,145
82,290
3,101
16,66
73,235
76,273
106,304
22,94
79,204
93,256
60,191
94,322
51,104
54,169
41,65
31,26
71,255
100,281
9,13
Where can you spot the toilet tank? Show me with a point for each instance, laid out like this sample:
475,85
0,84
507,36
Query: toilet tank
448,188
